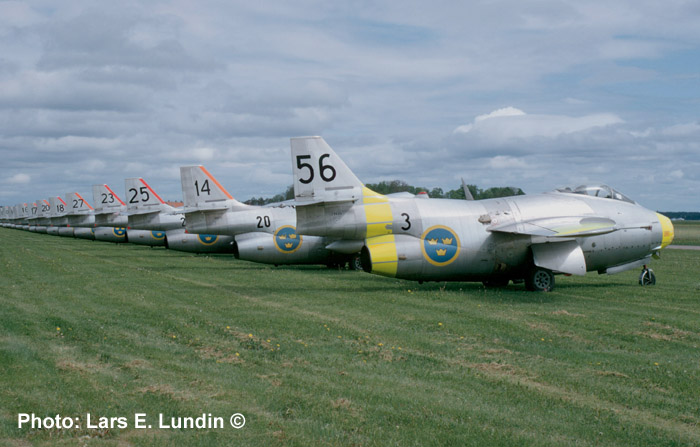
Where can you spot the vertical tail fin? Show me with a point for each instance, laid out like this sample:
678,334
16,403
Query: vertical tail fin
106,200
77,204
58,206
141,198
320,175
44,208
201,190
467,194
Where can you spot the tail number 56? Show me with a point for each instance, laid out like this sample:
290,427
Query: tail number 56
326,171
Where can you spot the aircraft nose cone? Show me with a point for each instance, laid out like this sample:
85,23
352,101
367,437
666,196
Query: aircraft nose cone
666,230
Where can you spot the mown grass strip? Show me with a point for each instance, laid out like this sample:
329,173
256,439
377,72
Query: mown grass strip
314,356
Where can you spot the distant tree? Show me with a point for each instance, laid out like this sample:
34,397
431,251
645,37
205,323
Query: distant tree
391,186
686,215
437,193
499,191
259,201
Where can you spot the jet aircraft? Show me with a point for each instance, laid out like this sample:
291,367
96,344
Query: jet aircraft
59,221
112,221
147,211
530,238
79,216
43,216
265,234
33,216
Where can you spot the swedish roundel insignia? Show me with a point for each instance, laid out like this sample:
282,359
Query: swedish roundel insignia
207,239
119,232
440,245
286,239
158,235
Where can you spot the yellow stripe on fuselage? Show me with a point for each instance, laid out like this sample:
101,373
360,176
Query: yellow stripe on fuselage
377,213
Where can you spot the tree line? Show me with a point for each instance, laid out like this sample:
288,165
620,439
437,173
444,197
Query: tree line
685,215
393,186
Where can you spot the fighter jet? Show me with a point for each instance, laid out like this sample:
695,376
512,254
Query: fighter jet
58,217
527,238
13,216
43,215
33,216
10,216
21,216
112,221
147,211
265,234
80,217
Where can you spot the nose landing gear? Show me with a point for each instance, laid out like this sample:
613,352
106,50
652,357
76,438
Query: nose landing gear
647,277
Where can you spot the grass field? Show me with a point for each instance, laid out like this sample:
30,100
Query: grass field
687,232
313,356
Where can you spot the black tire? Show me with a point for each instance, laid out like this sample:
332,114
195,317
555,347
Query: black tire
539,279
355,262
647,278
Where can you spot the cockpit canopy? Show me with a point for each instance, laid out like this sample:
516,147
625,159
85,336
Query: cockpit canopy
602,191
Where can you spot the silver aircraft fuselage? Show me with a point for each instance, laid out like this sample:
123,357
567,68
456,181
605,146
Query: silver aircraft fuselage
443,239
533,237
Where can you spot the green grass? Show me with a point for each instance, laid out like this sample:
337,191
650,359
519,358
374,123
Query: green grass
313,356
687,232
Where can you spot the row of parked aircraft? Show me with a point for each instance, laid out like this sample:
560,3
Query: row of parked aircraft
334,219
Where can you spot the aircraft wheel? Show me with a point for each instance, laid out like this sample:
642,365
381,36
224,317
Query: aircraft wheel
539,280
647,277
355,262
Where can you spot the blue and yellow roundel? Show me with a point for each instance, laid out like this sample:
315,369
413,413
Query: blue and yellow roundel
207,239
158,235
119,232
440,245
287,240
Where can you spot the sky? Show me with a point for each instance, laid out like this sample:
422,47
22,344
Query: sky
536,95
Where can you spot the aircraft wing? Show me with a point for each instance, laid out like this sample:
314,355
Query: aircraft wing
571,226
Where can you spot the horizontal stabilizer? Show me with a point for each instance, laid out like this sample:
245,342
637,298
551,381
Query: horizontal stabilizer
573,226
209,210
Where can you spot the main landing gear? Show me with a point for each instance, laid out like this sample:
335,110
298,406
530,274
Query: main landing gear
539,279
647,277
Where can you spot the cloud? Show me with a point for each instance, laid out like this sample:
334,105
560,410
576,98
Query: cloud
505,162
19,179
510,123
94,94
